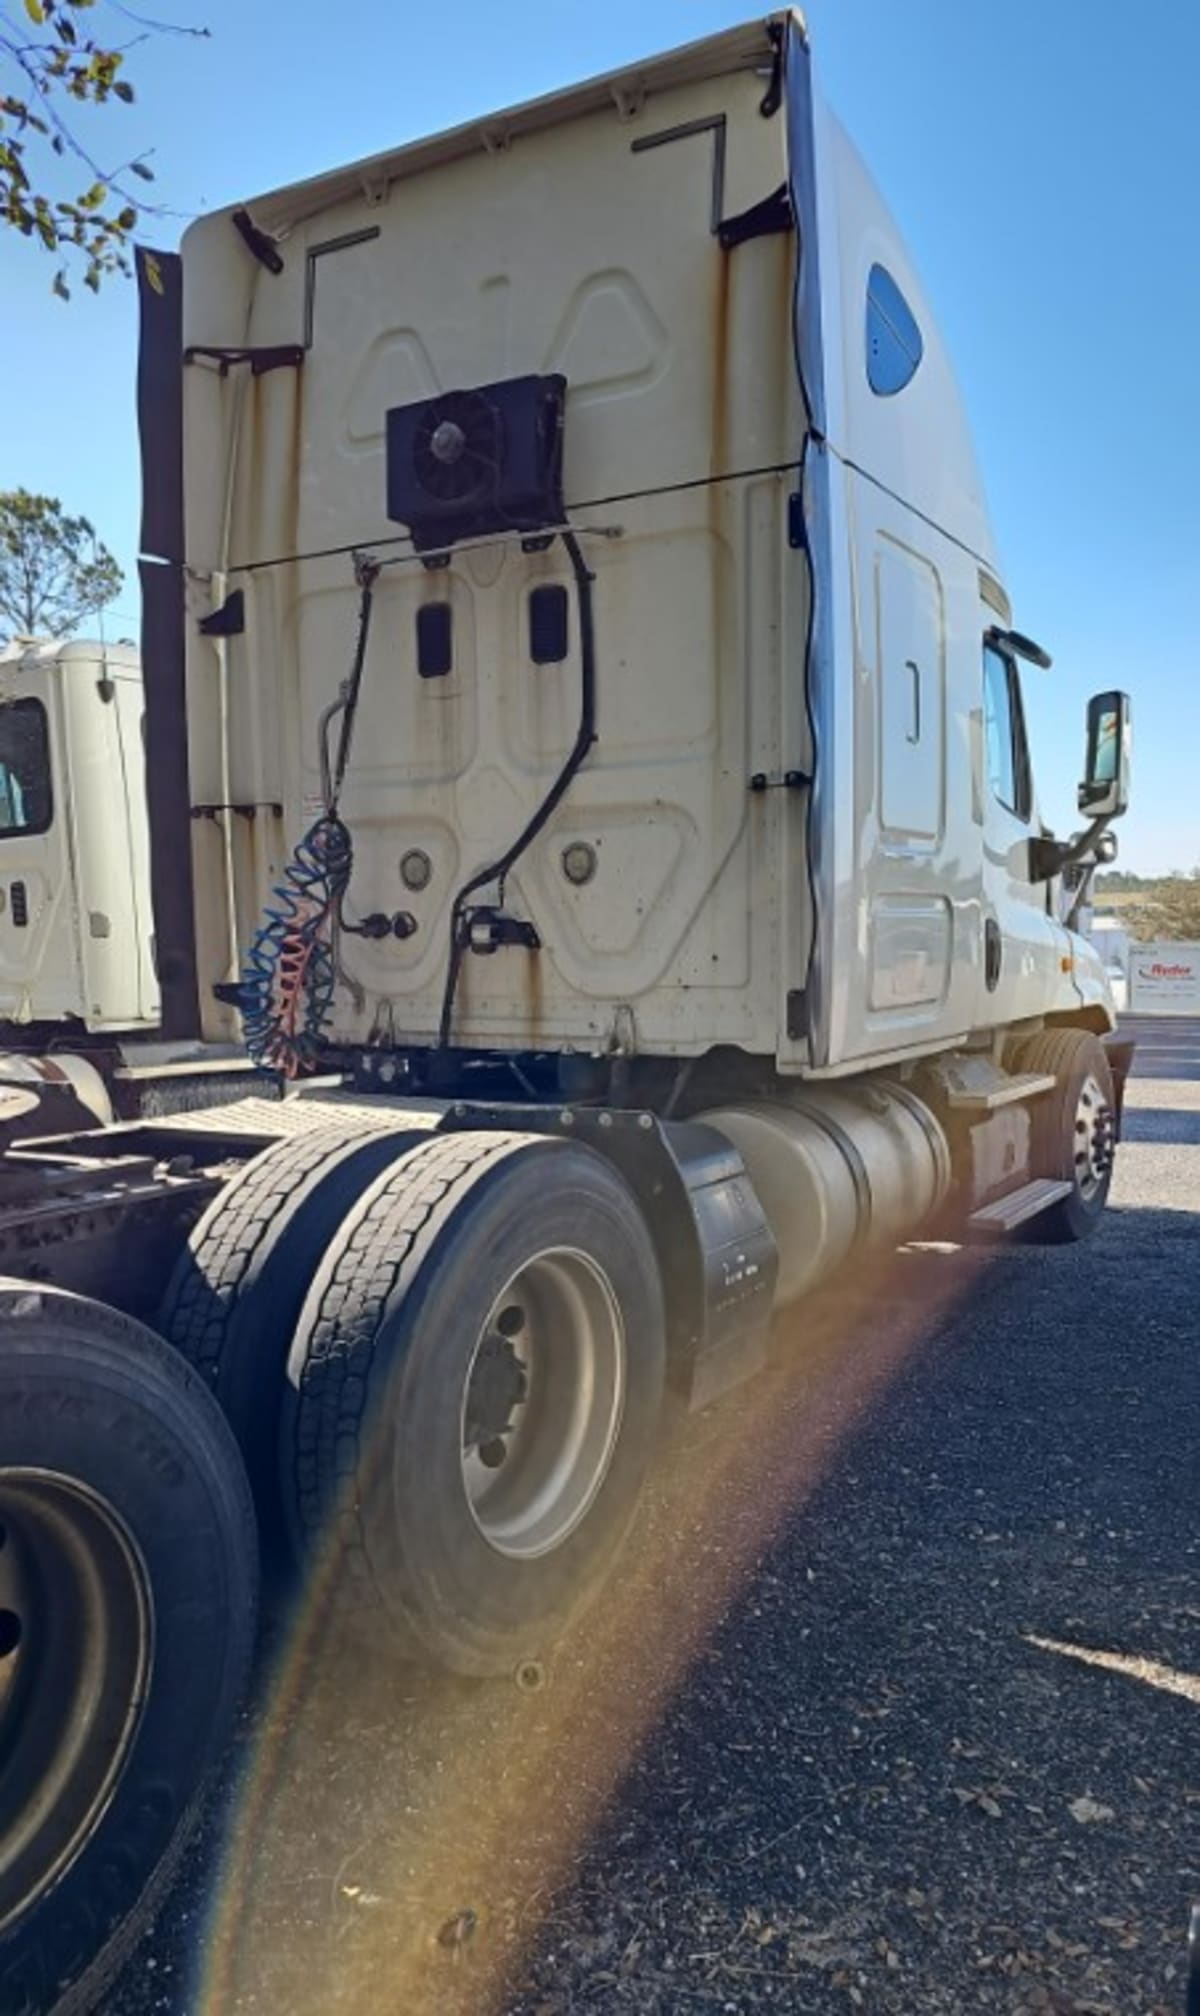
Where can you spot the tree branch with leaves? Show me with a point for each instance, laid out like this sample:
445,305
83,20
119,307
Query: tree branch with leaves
54,571
52,61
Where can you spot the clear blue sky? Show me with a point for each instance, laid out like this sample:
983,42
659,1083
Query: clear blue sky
1042,157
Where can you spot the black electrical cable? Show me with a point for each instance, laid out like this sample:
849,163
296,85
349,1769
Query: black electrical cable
814,734
333,777
496,871
814,441
485,543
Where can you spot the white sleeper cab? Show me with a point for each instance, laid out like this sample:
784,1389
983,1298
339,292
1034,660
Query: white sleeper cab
589,786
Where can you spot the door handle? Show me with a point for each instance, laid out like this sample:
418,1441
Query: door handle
993,954
913,731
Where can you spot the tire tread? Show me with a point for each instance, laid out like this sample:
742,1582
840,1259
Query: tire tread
202,1293
369,1266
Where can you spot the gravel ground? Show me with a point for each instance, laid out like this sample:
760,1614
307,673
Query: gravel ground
895,1709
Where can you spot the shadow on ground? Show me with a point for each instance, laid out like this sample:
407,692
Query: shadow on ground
808,1757
1169,1126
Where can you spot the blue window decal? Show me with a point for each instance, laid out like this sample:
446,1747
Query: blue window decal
894,346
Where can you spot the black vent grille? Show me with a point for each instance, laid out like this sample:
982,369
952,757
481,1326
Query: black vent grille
482,460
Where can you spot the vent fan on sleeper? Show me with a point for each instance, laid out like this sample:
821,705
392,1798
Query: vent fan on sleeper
482,460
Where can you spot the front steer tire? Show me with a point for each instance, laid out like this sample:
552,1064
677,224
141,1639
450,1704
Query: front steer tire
128,1593
1064,1123
528,1258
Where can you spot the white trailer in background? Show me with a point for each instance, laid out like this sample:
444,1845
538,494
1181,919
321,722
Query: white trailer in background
1113,942
76,931
1164,978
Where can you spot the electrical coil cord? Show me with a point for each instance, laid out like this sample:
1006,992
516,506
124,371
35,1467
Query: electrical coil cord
286,990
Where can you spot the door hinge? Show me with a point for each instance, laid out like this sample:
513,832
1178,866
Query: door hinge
772,97
269,358
761,220
789,780
213,810
257,241
227,621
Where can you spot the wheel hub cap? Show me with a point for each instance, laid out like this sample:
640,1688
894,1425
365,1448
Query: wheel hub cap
542,1404
75,1654
498,1385
1095,1137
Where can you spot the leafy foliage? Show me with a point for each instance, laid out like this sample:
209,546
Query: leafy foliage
1169,909
51,63
1165,906
53,569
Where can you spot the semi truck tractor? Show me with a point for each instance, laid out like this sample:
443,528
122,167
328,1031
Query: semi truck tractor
588,772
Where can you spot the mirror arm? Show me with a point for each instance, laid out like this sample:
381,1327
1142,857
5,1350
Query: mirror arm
1082,895
1081,846
1050,857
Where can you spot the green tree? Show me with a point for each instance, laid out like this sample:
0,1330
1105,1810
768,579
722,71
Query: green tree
53,569
51,63
1169,908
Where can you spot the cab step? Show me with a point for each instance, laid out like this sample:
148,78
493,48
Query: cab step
1004,1214
985,1097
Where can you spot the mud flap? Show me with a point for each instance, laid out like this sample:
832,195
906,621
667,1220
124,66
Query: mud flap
1119,1051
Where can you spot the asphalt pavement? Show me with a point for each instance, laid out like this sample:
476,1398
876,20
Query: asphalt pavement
895,1706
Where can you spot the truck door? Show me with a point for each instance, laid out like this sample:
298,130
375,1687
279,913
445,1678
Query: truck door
131,727
103,744
1022,943
916,848
39,979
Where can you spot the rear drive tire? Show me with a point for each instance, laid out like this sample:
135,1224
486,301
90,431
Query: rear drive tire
238,1287
474,1394
1073,1131
128,1589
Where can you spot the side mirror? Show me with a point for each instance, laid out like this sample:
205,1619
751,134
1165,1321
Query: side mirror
1104,793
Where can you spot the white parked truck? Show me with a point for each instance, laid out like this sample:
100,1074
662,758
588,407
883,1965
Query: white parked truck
572,612
79,997
76,938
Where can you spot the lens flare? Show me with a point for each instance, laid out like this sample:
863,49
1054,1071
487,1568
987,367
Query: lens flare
400,1837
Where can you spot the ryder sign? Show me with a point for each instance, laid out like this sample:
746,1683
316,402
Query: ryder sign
1164,979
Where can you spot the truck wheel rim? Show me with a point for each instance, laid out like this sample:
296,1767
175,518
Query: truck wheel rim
1092,1145
75,1655
542,1404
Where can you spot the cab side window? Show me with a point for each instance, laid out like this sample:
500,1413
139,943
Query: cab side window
1004,730
26,804
894,345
